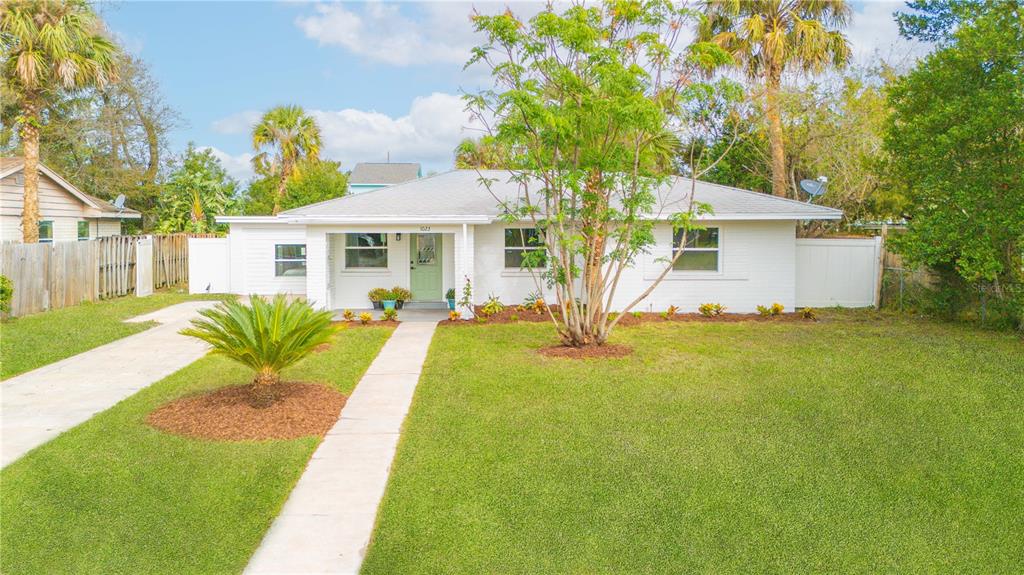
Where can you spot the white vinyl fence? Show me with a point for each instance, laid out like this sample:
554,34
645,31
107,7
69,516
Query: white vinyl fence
838,272
208,265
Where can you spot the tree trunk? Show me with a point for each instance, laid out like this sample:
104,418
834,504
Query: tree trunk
29,133
264,388
779,185
282,187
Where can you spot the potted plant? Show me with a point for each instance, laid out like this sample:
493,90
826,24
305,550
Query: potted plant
401,296
378,295
450,296
388,300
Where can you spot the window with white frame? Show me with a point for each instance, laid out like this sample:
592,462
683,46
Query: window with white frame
700,252
45,231
289,260
524,249
364,251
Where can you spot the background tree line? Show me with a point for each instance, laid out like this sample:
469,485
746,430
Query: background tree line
75,100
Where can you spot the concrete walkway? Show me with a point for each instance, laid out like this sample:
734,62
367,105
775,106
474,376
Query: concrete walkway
39,405
327,521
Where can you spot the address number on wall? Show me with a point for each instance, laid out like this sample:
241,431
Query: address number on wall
424,228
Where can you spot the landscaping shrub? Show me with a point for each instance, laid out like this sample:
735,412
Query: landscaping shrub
454,316
492,306
266,336
348,314
6,294
770,311
809,313
390,315
365,317
399,293
711,309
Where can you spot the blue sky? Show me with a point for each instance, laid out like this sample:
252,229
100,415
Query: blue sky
379,77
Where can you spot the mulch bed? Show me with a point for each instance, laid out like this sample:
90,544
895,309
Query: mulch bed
228,414
609,350
512,315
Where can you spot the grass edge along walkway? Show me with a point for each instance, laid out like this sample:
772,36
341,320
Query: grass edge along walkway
116,496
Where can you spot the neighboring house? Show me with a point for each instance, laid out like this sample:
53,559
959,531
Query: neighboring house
65,212
432,233
366,177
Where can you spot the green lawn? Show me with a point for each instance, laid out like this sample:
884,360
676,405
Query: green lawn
857,444
116,496
43,338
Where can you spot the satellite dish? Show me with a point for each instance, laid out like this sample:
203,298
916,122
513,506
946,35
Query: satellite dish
119,202
814,188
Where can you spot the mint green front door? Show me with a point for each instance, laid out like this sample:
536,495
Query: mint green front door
425,267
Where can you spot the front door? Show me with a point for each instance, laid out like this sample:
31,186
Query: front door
425,267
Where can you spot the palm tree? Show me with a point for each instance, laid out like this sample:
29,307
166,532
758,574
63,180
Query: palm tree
265,336
47,48
282,138
483,154
766,37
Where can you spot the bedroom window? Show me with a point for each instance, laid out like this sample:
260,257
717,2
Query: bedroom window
83,231
520,246
366,251
700,253
289,260
45,231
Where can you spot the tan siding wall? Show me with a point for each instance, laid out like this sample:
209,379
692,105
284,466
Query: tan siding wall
108,228
54,201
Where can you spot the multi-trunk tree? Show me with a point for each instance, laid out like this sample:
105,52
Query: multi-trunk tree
588,108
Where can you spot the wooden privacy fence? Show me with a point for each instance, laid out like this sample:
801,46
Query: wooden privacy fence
62,274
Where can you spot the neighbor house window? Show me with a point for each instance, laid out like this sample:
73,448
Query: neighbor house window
366,250
700,253
46,231
520,245
83,231
289,260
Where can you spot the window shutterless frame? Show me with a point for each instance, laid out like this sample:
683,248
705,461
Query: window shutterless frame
83,231
366,251
289,260
45,231
518,243
701,252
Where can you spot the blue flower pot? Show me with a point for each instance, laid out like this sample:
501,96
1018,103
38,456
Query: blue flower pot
451,304
388,304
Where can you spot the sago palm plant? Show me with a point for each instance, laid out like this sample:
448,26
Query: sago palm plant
266,336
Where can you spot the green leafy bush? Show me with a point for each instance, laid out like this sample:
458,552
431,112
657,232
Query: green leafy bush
399,293
390,315
450,294
809,313
6,294
267,336
365,317
349,315
492,306
638,314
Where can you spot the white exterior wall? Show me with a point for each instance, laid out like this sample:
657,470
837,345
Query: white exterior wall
55,205
757,265
252,259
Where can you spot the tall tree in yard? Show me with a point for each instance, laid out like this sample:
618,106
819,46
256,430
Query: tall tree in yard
282,138
49,48
768,37
587,108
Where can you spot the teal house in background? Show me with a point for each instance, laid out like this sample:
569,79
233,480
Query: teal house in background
368,176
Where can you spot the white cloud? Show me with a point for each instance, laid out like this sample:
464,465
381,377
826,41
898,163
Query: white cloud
239,123
428,134
405,34
237,166
873,30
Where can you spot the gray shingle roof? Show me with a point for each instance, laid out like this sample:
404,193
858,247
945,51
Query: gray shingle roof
370,173
460,193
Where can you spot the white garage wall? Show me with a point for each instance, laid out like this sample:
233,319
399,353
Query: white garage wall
757,266
837,272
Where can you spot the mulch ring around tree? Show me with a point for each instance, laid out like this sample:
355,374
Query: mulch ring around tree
228,413
608,350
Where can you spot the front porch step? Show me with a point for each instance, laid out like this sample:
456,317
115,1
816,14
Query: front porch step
425,305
